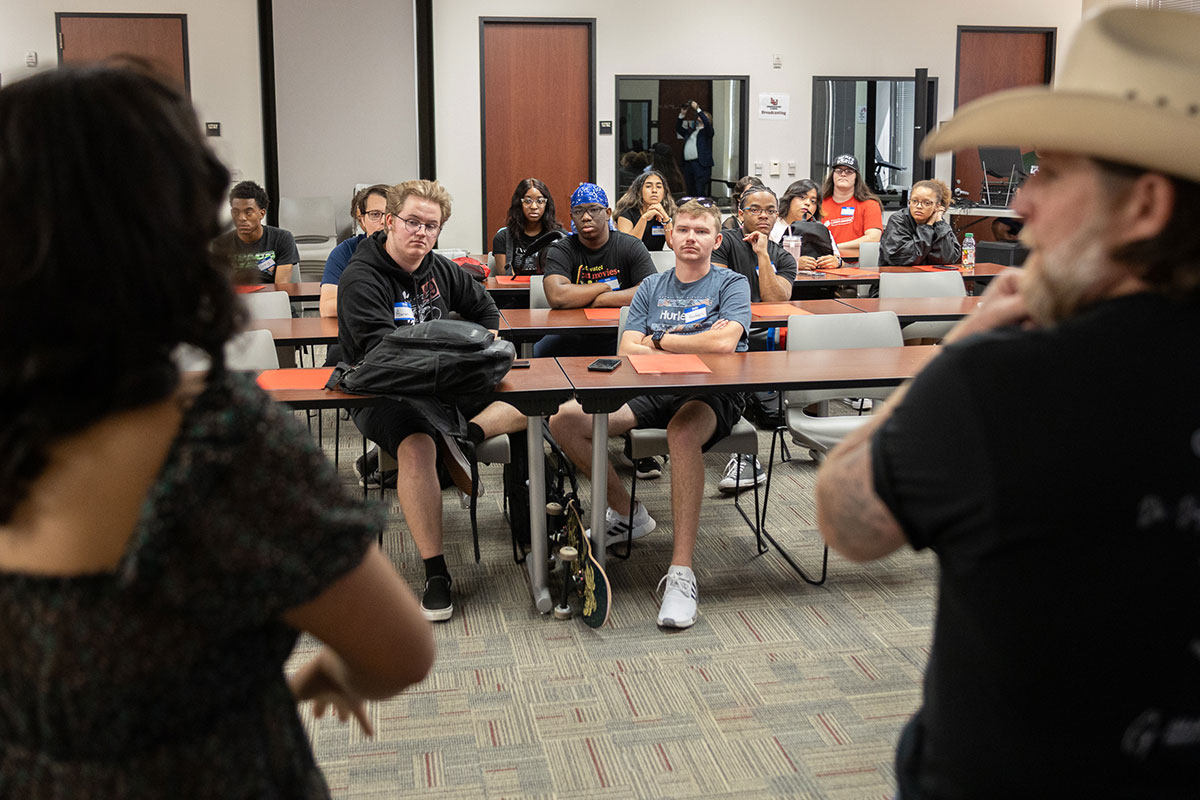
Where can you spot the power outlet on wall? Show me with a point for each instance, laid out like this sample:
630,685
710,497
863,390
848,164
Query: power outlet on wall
775,168
791,168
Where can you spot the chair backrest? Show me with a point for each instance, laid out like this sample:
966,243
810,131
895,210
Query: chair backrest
624,320
537,292
868,255
310,219
251,350
922,284
268,305
663,259
842,332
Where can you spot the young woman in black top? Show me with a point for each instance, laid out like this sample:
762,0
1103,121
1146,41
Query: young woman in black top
645,210
530,215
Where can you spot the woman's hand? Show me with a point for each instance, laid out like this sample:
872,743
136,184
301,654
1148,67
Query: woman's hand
322,680
937,215
654,212
827,262
808,263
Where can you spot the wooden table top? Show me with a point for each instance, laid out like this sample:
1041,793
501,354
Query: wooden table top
299,330
603,392
305,290
916,308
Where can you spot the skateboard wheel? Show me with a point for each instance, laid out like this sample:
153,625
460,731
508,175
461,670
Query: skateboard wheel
554,509
567,553
562,612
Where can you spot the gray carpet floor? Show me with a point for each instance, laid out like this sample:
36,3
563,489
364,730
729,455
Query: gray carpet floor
781,689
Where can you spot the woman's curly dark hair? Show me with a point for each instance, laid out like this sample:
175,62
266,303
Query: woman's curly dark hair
108,203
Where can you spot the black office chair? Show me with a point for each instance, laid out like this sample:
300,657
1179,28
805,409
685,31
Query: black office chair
1002,166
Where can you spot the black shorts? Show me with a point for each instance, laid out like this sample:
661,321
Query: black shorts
657,410
392,421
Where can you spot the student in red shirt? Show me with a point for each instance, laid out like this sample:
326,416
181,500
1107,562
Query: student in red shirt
851,211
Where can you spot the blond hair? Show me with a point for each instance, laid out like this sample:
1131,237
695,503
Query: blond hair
693,208
426,190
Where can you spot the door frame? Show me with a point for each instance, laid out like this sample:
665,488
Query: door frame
59,16
590,22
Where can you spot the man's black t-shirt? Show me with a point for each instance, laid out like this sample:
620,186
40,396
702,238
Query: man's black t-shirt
739,256
1066,652
622,261
654,235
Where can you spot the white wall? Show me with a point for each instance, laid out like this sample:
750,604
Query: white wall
345,84
813,37
222,55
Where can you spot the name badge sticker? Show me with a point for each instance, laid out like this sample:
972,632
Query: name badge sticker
402,311
847,211
266,263
695,314
658,230
614,283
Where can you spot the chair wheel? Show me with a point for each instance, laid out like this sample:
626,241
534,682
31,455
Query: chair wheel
567,553
562,612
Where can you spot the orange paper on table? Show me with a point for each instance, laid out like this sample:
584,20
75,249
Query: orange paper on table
761,310
850,272
248,289
512,280
596,314
294,378
668,364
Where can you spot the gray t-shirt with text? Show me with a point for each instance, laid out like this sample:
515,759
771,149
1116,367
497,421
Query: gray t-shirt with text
663,302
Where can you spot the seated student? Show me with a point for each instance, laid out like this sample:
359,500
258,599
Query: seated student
394,279
645,210
691,308
851,210
595,267
531,216
261,253
770,271
739,188
918,234
366,209
800,214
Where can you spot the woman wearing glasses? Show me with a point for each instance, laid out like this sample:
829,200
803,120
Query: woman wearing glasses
851,210
367,208
646,209
919,235
530,217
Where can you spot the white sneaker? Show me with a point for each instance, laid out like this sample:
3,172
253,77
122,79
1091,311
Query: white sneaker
464,499
859,403
679,598
617,525
752,473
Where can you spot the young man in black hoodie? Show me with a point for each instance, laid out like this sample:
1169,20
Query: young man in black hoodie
394,279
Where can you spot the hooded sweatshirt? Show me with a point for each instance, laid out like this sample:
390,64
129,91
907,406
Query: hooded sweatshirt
374,290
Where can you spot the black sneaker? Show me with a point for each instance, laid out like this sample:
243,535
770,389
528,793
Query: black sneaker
364,465
373,481
648,468
437,604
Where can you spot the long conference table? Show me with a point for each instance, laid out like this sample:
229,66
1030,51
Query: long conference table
539,390
526,325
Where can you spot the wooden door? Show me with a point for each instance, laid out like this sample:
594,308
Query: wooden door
537,87
160,39
991,59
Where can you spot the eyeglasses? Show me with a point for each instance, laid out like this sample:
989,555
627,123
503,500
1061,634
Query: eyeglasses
534,201
922,203
756,211
414,225
374,216
703,202
843,171
579,212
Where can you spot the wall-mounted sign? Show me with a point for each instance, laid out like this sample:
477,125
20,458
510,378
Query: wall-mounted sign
773,106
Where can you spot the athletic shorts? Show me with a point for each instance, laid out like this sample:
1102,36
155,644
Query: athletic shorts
657,410
392,421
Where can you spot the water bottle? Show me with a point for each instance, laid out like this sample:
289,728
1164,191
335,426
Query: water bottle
968,262
793,244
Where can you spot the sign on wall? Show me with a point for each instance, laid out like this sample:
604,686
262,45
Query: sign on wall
773,106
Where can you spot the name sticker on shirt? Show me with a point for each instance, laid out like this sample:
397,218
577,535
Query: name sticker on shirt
657,230
695,313
847,211
614,283
266,262
403,312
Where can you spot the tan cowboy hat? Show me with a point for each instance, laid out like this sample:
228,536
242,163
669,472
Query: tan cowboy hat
1129,92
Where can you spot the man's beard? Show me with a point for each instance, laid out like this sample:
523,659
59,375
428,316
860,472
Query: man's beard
1060,281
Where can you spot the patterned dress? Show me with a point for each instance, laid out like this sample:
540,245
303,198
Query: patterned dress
164,677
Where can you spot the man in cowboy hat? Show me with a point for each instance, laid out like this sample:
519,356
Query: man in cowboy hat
1066,652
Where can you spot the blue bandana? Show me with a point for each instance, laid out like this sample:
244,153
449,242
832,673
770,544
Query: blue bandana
588,193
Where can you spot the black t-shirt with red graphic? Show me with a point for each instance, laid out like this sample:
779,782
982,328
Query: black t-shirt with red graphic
622,260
